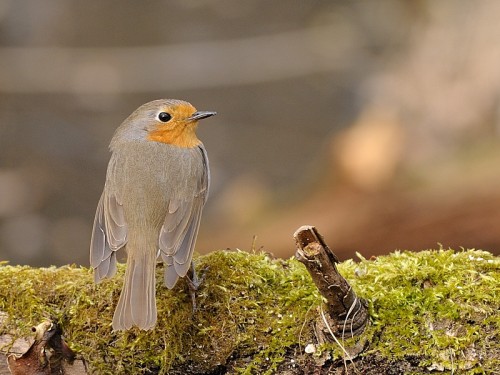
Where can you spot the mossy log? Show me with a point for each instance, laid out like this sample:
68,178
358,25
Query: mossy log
434,310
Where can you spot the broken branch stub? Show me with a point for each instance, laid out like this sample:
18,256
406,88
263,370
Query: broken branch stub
346,312
48,355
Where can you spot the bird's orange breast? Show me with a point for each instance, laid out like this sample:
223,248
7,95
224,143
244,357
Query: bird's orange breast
180,135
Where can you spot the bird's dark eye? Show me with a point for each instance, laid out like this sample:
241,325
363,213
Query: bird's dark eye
164,116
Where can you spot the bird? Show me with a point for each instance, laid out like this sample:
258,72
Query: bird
157,183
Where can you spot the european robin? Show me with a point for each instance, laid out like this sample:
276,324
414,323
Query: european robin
156,186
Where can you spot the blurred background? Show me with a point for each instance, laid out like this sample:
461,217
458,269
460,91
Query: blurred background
376,121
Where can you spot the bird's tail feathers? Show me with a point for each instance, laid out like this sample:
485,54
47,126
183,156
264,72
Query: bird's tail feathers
137,303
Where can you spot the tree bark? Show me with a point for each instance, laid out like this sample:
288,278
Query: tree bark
344,308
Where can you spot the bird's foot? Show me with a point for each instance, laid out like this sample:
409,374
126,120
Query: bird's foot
194,283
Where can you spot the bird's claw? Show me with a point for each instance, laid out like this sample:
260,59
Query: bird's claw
194,284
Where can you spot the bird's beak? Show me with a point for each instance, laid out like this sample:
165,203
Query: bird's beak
201,115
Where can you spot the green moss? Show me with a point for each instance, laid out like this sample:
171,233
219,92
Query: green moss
440,306
248,306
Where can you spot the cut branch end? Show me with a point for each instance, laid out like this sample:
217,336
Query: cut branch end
344,308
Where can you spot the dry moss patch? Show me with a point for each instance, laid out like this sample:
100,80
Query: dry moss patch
255,314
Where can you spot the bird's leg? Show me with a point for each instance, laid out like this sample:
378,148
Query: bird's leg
194,283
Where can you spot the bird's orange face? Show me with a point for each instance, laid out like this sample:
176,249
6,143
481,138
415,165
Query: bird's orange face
176,125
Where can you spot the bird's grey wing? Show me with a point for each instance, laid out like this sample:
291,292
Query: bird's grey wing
180,228
108,236
177,239
205,180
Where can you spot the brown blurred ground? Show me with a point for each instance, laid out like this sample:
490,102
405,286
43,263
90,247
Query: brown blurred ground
376,121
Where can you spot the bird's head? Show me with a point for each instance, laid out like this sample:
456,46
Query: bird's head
168,121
